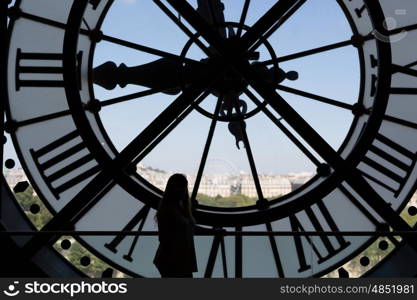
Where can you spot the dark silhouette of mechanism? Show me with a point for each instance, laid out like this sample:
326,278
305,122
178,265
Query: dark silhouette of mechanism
170,76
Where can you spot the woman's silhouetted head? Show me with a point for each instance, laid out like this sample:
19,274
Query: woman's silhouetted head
176,190
176,195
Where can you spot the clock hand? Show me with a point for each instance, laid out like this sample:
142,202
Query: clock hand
212,11
231,101
162,74
272,75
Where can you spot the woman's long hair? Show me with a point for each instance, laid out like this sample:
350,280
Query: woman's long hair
176,196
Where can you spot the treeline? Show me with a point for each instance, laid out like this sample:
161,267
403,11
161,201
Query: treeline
231,201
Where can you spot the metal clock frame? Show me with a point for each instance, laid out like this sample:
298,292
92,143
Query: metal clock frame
70,79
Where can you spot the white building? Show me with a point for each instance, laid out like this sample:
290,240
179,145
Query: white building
272,186
14,176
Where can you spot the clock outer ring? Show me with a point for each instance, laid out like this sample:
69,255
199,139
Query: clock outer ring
69,57
205,217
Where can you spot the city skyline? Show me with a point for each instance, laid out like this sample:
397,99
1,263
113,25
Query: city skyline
213,185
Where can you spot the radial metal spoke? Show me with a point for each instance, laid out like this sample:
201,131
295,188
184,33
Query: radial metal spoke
413,64
243,18
250,156
308,52
315,97
191,35
280,22
206,150
102,103
257,30
170,128
129,97
401,29
284,129
197,22
145,49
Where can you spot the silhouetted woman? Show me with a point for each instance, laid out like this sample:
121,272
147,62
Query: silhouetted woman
175,256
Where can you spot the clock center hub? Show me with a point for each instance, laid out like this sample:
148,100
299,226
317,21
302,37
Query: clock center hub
231,87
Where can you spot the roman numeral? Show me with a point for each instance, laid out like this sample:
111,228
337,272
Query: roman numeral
404,91
373,85
238,254
359,11
52,164
408,71
218,244
37,64
400,121
395,154
405,70
275,253
374,61
140,219
317,243
94,3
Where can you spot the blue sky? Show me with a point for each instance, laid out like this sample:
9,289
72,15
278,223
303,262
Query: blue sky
332,74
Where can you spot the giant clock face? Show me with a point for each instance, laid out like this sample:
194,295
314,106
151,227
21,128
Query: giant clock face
86,181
